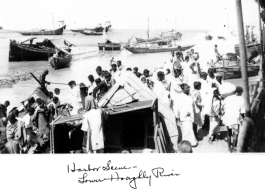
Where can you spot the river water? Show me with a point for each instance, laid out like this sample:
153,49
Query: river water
85,64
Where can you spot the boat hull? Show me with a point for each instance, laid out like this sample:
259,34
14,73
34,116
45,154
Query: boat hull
235,72
58,62
58,31
92,33
25,52
155,50
78,30
109,47
219,37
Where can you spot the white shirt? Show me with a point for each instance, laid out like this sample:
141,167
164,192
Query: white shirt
233,106
160,90
76,98
205,90
92,123
115,75
175,89
186,107
27,119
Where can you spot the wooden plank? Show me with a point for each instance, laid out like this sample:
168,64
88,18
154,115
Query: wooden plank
159,144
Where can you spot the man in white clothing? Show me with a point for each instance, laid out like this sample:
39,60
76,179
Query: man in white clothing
234,108
160,87
76,100
93,124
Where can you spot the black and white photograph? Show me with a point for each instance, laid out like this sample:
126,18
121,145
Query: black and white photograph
82,78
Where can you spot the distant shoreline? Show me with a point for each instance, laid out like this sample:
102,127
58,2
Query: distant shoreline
69,30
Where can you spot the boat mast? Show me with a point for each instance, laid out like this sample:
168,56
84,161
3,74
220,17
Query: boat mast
53,26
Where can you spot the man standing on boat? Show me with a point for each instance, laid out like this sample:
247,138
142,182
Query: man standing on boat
42,79
218,56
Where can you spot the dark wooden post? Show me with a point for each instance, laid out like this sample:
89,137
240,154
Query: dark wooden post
243,56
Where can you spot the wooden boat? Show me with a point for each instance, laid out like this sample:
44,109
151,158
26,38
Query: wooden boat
208,37
29,51
109,46
163,40
91,33
160,42
234,72
141,40
60,60
220,37
155,49
79,30
58,31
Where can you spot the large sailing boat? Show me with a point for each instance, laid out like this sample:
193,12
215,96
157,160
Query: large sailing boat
162,39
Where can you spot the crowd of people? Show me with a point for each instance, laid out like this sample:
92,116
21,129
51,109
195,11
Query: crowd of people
192,91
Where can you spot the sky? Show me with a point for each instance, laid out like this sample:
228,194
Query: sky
125,14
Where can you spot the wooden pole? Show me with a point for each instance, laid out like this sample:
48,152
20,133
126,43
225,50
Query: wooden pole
243,56
262,76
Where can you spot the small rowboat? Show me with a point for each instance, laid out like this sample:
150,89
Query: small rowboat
91,33
109,47
61,59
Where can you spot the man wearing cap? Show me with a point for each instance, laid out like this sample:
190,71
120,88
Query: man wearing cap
234,108
42,78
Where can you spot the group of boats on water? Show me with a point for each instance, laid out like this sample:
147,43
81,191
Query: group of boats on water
59,52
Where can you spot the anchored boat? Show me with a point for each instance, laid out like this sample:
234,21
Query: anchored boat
61,59
154,48
87,32
58,31
35,49
109,46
